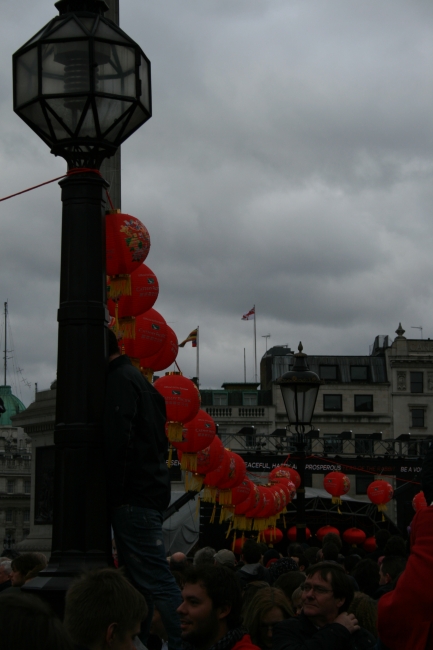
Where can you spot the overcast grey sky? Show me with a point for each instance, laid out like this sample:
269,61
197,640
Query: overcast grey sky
288,164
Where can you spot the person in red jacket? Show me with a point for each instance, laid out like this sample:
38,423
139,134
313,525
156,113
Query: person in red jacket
210,615
405,615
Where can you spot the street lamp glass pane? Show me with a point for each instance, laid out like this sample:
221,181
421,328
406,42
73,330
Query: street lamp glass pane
59,108
27,76
69,29
116,72
35,115
104,31
299,401
65,68
110,110
138,118
144,77
88,127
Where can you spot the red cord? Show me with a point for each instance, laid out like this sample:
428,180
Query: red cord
71,172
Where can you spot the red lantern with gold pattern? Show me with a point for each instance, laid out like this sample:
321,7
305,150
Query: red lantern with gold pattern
127,243
144,335
242,492
182,402
237,473
291,534
288,486
419,501
197,434
369,545
211,480
284,471
134,296
325,530
354,536
336,484
162,359
208,459
240,520
380,493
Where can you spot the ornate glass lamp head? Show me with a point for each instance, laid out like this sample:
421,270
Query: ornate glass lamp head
82,84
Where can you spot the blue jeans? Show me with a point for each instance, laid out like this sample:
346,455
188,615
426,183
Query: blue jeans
140,548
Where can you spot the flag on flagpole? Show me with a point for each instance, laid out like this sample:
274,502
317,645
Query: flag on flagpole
191,337
250,315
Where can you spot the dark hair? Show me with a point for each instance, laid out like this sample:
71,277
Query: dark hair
294,549
113,345
98,599
311,554
27,562
382,536
350,562
341,584
272,554
221,586
263,601
251,552
366,574
204,556
334,538
330,552
288,582
393,565
365,610
395,546
28,622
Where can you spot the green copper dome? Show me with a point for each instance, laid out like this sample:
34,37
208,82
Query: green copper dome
12,404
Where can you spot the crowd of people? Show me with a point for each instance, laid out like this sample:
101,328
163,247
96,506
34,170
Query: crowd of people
311,598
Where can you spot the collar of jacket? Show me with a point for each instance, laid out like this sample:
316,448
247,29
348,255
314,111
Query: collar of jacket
123,360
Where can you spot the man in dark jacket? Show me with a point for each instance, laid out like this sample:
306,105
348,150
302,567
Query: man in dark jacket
324,623
252,569
139,486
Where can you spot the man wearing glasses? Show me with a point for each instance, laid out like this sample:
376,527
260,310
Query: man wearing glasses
324,622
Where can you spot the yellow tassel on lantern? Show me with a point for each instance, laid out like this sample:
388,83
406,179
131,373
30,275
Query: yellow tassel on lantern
226,513
148,373
212,518
170,456
382,507
187,488
119,285
337,501
189,462
225,497
229,530
209,494
127,328
174,431
195,482
234,542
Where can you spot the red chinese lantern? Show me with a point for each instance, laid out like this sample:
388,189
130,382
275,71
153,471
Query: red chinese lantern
336,484
284,471
369,545
272,535
134,296
237,472
380,493
238,544
207,460
324,530
197,434
182,402
211,480
291,534
419,501
267,515
144,335
354,536
240,520
127,243
258,503
288,486
162,359
239,495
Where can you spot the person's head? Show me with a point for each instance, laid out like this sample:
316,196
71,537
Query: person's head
22,565
5,571
366,574
211,606
330,552
311,554
334,539
365,610
113,345
204,556
269,606
251,552
395,546
350,562
103,610
391,567
382,536
269,556
178,562
297,601
288,582
28,622
225,558
327,591
294,549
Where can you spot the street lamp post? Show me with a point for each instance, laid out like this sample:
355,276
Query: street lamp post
83,86
299,388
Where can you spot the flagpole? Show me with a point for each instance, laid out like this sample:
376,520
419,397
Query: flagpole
198,344
255,346
245,368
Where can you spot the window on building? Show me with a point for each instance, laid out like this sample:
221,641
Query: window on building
332,444
10,487
250,399
332,403
359,373
362,483
363,445
416,382
220,399
27,486
8,516
363,402
26,516
417,417
328,372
